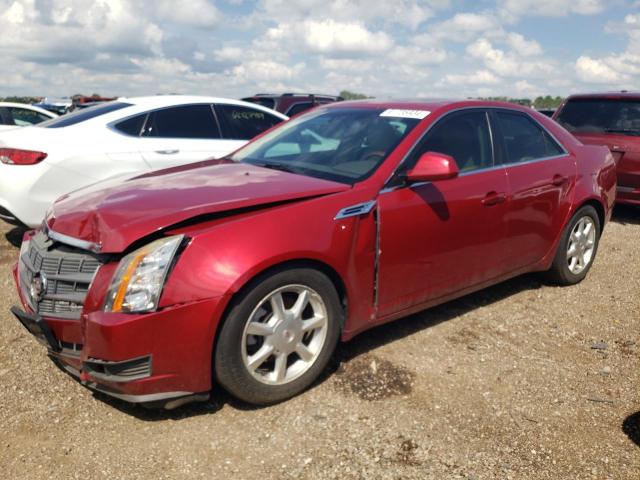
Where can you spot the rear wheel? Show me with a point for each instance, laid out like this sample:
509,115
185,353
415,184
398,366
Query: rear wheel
577,248
278,336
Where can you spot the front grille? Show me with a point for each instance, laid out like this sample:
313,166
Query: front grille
63,274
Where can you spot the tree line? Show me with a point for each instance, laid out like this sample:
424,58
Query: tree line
540,102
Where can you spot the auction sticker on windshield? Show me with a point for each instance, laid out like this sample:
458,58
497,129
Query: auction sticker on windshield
418,114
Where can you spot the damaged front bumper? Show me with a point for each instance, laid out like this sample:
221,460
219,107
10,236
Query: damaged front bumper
145,359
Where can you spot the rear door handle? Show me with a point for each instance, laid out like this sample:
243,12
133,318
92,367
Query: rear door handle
493,198
167,152
559,180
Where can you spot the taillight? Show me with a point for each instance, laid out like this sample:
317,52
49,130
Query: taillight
14,156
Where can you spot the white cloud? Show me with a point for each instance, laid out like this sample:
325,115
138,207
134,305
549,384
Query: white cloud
419,55
76,30
266,71
522,46
330,37
410,13
592,70
463,26
198,13
526,89
384,48
616,70
514,9
512,63
480,77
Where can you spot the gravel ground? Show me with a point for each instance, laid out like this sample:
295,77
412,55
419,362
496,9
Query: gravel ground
519,381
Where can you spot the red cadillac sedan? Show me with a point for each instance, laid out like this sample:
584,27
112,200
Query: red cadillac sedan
245,272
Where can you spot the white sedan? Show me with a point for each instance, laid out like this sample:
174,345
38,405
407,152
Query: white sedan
22,115
128,136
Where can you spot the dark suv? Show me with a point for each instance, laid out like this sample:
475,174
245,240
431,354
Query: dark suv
613,120
291,103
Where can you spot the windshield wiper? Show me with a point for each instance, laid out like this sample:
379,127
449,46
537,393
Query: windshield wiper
626,131
277,166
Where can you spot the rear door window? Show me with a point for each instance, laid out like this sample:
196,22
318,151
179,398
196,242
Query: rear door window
601,115
187,121
243,123
524,140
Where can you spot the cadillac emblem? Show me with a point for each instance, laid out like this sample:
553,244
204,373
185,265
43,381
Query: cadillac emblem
38,287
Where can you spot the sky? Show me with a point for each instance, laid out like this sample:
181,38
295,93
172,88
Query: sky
386,49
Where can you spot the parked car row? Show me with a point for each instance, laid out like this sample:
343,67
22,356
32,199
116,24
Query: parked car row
245,271
121,138
14,115
291,104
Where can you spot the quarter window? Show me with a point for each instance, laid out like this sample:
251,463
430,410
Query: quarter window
132,126
244,123
524,139
4,117
464,136
188,121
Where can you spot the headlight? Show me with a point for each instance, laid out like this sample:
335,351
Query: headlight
138,282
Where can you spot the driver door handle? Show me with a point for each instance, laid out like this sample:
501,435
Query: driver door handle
494,198
167,152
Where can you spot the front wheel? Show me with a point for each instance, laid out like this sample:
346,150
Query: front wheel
577,248
278,336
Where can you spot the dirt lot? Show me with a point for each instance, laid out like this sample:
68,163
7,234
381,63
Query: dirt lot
519,381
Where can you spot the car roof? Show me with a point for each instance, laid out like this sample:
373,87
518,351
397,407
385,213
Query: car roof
609,95
425,104
160,101
28,107
281,95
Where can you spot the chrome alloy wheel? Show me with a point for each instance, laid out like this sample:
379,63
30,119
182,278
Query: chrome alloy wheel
581,245
284,335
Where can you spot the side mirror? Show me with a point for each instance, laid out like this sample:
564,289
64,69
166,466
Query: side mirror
433,166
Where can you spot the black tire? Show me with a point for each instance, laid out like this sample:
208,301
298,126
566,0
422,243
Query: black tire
230,370
560,272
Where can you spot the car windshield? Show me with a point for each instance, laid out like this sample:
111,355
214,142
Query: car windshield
601,115
83,115
344,145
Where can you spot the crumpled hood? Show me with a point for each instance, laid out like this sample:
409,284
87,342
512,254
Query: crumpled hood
114,214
